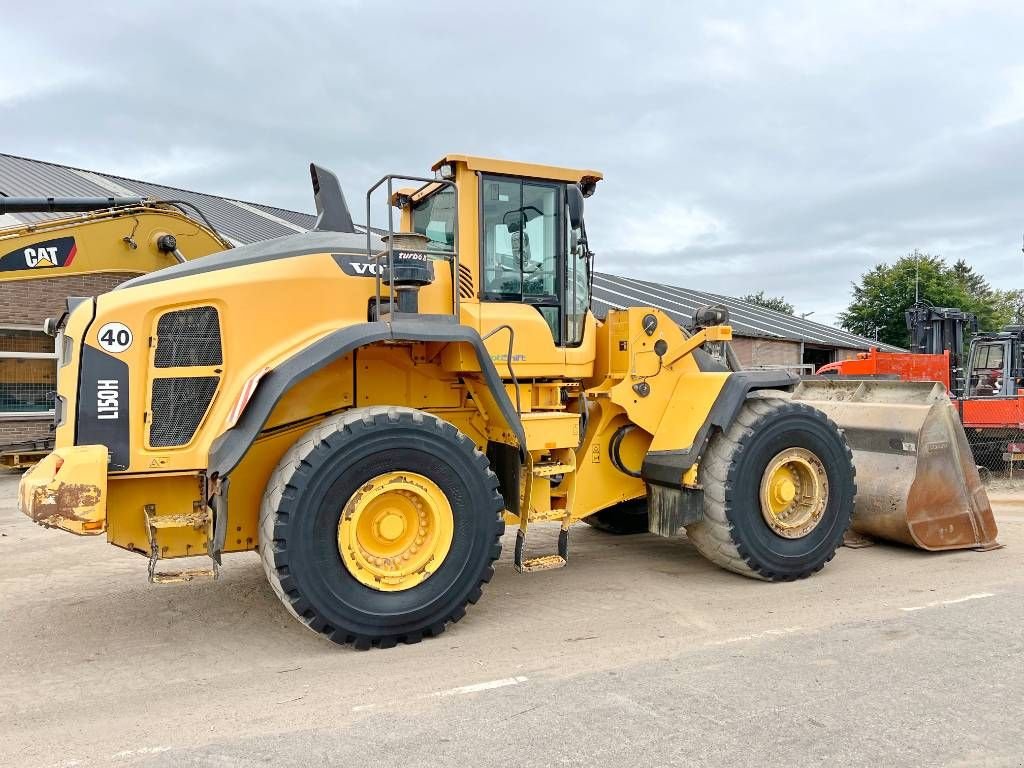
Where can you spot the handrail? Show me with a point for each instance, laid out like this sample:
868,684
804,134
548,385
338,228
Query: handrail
453,258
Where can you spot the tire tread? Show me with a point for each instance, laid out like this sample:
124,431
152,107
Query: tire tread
273,524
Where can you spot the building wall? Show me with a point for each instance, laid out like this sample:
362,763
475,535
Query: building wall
26,382
24,431
29,302
753,352
847,354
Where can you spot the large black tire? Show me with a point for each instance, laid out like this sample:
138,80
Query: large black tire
623,519
733,533
302,507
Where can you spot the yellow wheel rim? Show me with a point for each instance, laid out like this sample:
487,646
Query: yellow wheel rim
794,493
395,531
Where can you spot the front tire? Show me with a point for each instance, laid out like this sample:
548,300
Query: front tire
778,492
380,526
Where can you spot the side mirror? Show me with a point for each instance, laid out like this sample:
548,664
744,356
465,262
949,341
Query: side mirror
574,201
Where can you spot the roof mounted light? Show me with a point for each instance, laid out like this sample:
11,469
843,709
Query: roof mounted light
446,171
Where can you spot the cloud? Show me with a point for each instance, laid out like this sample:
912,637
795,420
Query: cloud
785,146
667,227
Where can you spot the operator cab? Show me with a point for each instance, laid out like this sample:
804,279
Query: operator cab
523,260
996,365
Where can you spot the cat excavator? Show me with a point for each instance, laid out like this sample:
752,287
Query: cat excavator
93,244
369,411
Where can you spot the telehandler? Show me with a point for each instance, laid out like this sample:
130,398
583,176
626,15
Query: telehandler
369,411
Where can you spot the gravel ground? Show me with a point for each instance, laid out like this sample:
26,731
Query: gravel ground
639,651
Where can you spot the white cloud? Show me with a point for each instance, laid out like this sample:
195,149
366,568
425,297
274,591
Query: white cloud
1009,107
669,227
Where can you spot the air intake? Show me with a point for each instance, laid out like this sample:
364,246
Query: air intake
179,405
188,337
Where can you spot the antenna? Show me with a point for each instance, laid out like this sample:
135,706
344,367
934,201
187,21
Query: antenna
917,276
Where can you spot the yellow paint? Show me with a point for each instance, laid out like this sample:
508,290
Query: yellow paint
67,489
794,492
169,494
104,241
511,168
395,531
273,309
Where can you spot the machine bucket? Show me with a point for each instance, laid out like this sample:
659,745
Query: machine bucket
917,482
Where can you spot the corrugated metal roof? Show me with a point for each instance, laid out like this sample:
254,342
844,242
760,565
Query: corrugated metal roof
243,223
23,176
746,319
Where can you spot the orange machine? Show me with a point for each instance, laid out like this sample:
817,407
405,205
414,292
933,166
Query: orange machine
908,366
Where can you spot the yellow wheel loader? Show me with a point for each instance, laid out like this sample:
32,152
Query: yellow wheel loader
98,243
369,412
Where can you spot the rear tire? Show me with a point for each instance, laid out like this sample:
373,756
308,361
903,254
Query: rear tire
330,468
624,519
735,532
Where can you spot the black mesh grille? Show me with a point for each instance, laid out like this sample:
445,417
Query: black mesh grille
188,337
178,407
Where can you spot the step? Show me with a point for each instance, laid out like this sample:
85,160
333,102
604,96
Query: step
191,520
547,470
542,563
181,577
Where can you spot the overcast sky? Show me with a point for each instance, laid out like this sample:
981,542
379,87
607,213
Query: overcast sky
783,146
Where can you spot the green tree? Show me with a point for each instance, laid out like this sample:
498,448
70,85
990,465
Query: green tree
1011,305
975,284
885,292
778,303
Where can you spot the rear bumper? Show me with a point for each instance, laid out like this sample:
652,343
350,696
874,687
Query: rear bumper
68,489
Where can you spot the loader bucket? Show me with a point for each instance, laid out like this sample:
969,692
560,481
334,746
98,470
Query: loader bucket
917,482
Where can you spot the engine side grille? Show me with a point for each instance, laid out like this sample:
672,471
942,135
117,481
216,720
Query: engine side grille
188,337
179,404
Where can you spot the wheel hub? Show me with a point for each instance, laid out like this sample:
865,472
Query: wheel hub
395,531
794,493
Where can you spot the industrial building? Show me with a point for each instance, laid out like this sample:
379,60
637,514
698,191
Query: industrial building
28,366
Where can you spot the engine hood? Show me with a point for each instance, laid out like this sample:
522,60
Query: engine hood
299,244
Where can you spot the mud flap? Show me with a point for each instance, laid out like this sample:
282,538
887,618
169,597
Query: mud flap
917,482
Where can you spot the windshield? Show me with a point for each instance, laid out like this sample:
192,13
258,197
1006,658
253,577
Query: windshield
434,217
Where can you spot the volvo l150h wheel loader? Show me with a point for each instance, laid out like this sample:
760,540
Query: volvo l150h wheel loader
370,412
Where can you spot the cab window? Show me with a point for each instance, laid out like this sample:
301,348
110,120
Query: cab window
434,217
987,370
522,244
577,285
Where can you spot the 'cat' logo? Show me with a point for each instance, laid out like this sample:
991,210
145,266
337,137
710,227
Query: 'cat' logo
41,257
47,254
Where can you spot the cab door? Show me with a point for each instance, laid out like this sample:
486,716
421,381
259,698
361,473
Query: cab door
527,279
988,369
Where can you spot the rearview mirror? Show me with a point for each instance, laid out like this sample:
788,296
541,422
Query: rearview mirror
574,201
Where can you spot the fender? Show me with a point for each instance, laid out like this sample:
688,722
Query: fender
229,448
666,468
